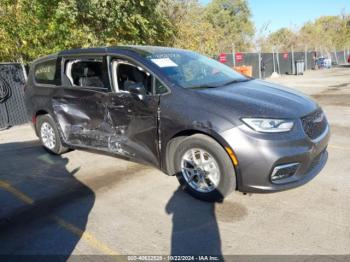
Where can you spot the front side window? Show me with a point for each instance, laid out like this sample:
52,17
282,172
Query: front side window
160,88
192,70
45,73
129,75
86,73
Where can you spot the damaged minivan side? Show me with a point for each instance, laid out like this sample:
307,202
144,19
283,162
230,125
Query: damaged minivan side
182,112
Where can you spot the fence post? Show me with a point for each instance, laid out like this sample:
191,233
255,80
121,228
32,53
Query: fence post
293,62
336,57
305,62
278,62
233,55
259,57
273,60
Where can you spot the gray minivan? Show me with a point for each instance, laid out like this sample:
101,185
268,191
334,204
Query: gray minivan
182,112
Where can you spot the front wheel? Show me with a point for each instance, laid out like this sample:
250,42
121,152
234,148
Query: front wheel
203,168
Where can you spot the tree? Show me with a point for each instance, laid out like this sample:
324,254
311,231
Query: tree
210,29
233,19
283,39
32,28
192,30
326,33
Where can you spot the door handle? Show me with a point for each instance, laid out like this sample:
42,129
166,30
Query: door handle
116,106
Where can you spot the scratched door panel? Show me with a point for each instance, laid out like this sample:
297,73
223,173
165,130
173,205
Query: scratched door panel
81,116
135,121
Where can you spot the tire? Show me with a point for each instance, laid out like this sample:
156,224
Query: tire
221,168
45,122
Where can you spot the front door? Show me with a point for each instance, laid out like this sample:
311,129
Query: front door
134,115
91,114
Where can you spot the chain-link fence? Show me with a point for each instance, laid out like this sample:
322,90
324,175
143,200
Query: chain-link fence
264,64
12,107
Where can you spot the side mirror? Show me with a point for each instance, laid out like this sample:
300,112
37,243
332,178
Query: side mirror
135,88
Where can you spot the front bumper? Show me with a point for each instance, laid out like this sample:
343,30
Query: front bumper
259,153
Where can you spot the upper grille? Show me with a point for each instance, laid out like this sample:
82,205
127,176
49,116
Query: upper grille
314,124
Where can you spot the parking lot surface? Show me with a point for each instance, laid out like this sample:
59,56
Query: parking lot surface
84,203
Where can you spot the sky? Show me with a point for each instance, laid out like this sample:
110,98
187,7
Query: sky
291,13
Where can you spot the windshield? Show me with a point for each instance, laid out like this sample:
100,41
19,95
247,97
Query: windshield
192,70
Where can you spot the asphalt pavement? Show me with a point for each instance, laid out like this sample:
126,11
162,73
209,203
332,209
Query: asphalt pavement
83,203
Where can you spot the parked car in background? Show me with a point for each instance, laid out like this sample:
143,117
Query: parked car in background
182,112
323,62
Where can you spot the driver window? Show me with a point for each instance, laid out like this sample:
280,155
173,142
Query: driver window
128,74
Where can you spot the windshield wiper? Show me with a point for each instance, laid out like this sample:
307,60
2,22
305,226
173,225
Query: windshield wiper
201,87
220,85
235,81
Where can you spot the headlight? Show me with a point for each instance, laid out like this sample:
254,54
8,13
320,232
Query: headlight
269,125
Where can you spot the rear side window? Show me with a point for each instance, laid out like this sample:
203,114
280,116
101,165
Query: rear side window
45,73
87,73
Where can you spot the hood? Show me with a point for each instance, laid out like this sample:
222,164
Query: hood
256,98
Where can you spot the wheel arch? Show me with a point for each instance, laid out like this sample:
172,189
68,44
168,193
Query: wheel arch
189,132
41,112
35,117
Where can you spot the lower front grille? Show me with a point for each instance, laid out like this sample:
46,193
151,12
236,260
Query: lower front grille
314,124
284,171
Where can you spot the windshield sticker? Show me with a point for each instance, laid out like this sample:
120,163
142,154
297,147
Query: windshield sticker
164,55
164,62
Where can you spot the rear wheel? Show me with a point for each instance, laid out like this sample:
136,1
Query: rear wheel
49,135
203,168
